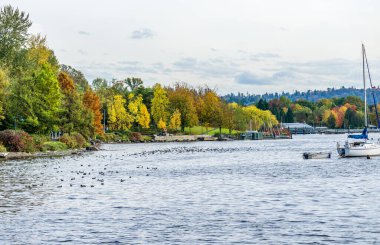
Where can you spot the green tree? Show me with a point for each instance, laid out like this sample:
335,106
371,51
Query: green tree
331,121
262,105
14,25
289,117
133,83
35,100
4,83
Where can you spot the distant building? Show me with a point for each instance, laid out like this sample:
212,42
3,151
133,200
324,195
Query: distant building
299,128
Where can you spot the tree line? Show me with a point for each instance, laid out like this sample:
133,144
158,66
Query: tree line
39,95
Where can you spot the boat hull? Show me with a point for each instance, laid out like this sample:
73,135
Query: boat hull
362,151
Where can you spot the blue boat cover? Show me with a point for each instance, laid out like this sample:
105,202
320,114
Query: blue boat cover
364,135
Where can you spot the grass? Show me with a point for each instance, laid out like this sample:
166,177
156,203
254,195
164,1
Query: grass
209,131
54,146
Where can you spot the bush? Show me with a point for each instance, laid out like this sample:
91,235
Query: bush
146,138
68,141
17,141
76,140
2,148
79,139
114,137
54,146
39,141
135,136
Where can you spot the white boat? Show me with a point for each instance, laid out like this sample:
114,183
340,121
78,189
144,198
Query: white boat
358,145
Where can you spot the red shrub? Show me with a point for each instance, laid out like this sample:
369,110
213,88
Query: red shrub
18,141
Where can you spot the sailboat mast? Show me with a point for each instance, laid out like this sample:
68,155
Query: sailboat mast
365,90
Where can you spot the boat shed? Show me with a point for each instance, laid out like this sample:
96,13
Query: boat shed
299,128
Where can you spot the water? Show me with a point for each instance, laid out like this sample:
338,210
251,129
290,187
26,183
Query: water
243,192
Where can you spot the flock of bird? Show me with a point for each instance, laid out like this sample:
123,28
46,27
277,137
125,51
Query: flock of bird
82,173
181,150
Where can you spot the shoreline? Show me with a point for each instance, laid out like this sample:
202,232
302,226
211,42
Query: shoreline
25,155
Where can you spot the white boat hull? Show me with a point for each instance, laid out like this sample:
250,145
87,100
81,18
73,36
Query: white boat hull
368,149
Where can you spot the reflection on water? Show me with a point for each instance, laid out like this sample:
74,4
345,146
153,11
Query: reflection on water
193,193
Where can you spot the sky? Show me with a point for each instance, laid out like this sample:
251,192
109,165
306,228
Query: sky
253,46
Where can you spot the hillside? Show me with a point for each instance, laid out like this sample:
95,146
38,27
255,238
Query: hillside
311,95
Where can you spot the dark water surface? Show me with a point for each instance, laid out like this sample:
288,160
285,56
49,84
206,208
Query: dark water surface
244,192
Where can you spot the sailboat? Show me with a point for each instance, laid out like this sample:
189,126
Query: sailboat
359,145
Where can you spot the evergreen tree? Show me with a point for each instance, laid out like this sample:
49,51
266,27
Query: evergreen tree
289,117
263,105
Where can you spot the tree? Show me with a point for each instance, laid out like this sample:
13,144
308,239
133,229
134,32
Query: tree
260,118
175,120
353,119
182,98
331,121
35,100
74,116
79,79
289,117
14,25
211,111
92,102
4,83
134,105
161,124
263,105
119,118
133,83
38,52
160,104
301,113
143,117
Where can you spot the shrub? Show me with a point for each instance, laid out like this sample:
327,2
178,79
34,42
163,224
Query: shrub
39,141
135,136
68,141
146,138
2,148
76,140
54,146
79,139
18,141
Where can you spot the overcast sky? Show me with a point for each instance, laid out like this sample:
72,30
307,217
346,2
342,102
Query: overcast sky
248,46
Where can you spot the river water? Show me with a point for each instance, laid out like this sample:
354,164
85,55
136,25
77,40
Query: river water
239,192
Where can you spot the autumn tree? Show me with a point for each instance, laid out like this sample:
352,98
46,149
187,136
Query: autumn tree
119,118
92,102
161,124
211,110
182,98
74,117
143,117
79,79
160,104
175,120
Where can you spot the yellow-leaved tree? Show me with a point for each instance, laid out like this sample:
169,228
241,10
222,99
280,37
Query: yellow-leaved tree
175,120
119,118
161,124
143,117
160,104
